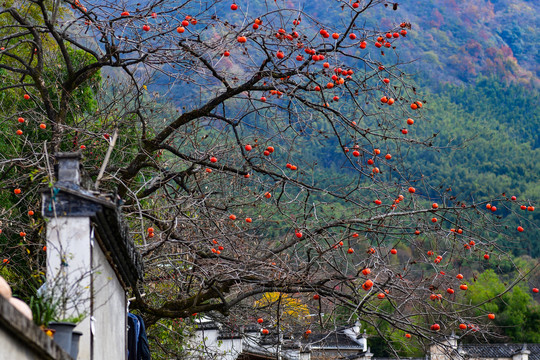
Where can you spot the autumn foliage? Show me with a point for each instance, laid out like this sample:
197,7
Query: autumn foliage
229,208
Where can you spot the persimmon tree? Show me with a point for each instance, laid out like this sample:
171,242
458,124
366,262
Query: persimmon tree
258,148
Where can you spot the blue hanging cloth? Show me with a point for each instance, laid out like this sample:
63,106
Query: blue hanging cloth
143,349
138,348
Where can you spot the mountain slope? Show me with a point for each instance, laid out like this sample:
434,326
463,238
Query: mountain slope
458,40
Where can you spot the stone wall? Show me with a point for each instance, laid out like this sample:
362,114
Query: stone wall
21,339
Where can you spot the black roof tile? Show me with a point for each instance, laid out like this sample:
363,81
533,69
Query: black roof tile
335,339
500,350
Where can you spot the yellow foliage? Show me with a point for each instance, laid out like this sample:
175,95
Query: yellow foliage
288,304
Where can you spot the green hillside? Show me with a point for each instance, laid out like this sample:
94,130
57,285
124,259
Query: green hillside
492,132
475,62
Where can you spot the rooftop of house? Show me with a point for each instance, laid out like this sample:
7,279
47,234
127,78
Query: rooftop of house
403,358
345,338
342,338
349,339
499,350
68,198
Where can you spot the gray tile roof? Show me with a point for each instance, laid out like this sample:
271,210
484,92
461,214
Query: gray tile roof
404,358
334,340
499,350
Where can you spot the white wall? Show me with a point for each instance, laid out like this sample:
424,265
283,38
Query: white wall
205,345
69,241
110,313
68,262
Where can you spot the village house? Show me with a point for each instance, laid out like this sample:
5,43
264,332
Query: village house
220,343
91,264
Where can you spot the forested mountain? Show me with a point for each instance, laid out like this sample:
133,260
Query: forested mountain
476,65
460,40
493,130
457,40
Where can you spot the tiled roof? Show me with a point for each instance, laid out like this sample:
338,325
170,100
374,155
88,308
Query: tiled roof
335,339
499,350
259,352
379,358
